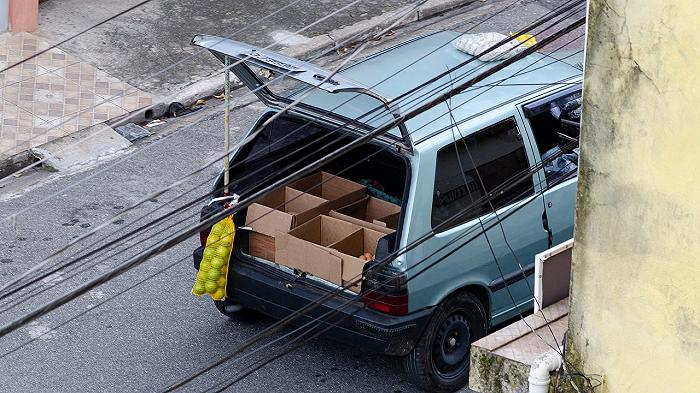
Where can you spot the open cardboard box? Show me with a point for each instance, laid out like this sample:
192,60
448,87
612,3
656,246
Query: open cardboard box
279,211
336,190
349,249
306,247
371,212
328,248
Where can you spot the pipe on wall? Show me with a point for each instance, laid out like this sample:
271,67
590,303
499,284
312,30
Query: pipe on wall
540,369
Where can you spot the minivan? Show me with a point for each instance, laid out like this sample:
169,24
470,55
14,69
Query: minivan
490,176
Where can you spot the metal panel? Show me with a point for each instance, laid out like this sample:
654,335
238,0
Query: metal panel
553,275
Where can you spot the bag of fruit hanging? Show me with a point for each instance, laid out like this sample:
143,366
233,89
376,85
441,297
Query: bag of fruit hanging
213,270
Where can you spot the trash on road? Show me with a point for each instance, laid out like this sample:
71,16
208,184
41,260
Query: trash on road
154,123
132,132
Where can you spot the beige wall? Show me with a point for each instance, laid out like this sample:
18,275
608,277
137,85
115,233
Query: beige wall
635,296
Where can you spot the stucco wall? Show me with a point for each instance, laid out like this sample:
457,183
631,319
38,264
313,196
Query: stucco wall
635,296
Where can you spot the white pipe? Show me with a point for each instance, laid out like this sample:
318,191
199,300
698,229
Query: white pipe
540,369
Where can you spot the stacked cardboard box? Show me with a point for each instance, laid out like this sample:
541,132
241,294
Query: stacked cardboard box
322,225
329,248
372,213
279,211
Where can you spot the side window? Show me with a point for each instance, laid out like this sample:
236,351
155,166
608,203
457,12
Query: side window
497,154
556,124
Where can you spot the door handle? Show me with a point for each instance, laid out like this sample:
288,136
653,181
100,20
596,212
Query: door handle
545,225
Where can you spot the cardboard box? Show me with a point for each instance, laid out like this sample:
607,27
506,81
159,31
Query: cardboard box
336,190
306,247
261,246
279,211
350,248
371,210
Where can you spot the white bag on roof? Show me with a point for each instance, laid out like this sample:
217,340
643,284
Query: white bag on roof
476,44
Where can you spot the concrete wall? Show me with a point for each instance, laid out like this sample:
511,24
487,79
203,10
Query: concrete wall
635,296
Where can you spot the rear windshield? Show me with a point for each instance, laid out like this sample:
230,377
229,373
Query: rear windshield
263,155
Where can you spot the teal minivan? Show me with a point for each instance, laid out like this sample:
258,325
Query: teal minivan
492,173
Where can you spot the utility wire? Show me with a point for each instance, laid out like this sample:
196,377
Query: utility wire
357,51
306,309
239,144
181,221
357,280
181,180
152,251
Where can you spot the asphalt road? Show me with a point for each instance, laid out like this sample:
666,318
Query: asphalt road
133,336
142,42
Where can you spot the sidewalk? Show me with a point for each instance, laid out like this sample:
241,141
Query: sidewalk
53,95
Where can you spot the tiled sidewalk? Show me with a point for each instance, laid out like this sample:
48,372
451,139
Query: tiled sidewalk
54,94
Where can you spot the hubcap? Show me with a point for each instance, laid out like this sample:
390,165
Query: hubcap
451,346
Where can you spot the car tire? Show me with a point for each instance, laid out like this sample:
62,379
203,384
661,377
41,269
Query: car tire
236,312
440,360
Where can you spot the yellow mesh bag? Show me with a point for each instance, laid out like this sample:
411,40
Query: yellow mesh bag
213,270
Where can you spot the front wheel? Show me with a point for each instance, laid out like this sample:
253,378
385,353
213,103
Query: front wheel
440,360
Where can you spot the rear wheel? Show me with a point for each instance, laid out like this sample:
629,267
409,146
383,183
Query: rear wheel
440,360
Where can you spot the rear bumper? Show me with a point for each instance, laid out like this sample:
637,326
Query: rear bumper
278,294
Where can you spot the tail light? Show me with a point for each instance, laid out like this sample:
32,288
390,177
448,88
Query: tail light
385,290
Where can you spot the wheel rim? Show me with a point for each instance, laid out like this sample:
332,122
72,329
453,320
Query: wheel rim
451,346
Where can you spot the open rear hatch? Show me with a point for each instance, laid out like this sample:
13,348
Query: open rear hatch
323,95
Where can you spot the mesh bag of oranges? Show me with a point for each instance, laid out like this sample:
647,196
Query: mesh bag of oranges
213,270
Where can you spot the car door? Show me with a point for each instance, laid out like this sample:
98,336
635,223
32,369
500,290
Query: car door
552,122
493,155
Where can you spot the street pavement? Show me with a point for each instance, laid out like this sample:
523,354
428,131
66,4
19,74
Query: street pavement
144,338
149,38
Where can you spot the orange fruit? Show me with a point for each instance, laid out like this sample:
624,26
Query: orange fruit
219,294
213,274
222,251
210,286
212,239
198,288
204,266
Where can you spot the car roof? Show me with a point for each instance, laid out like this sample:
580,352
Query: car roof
537,72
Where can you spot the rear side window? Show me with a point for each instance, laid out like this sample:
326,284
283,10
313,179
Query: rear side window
498,153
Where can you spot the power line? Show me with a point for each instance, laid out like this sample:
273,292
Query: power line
357,280
180,181
249,138
287,320
154,250
367,137
74,261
